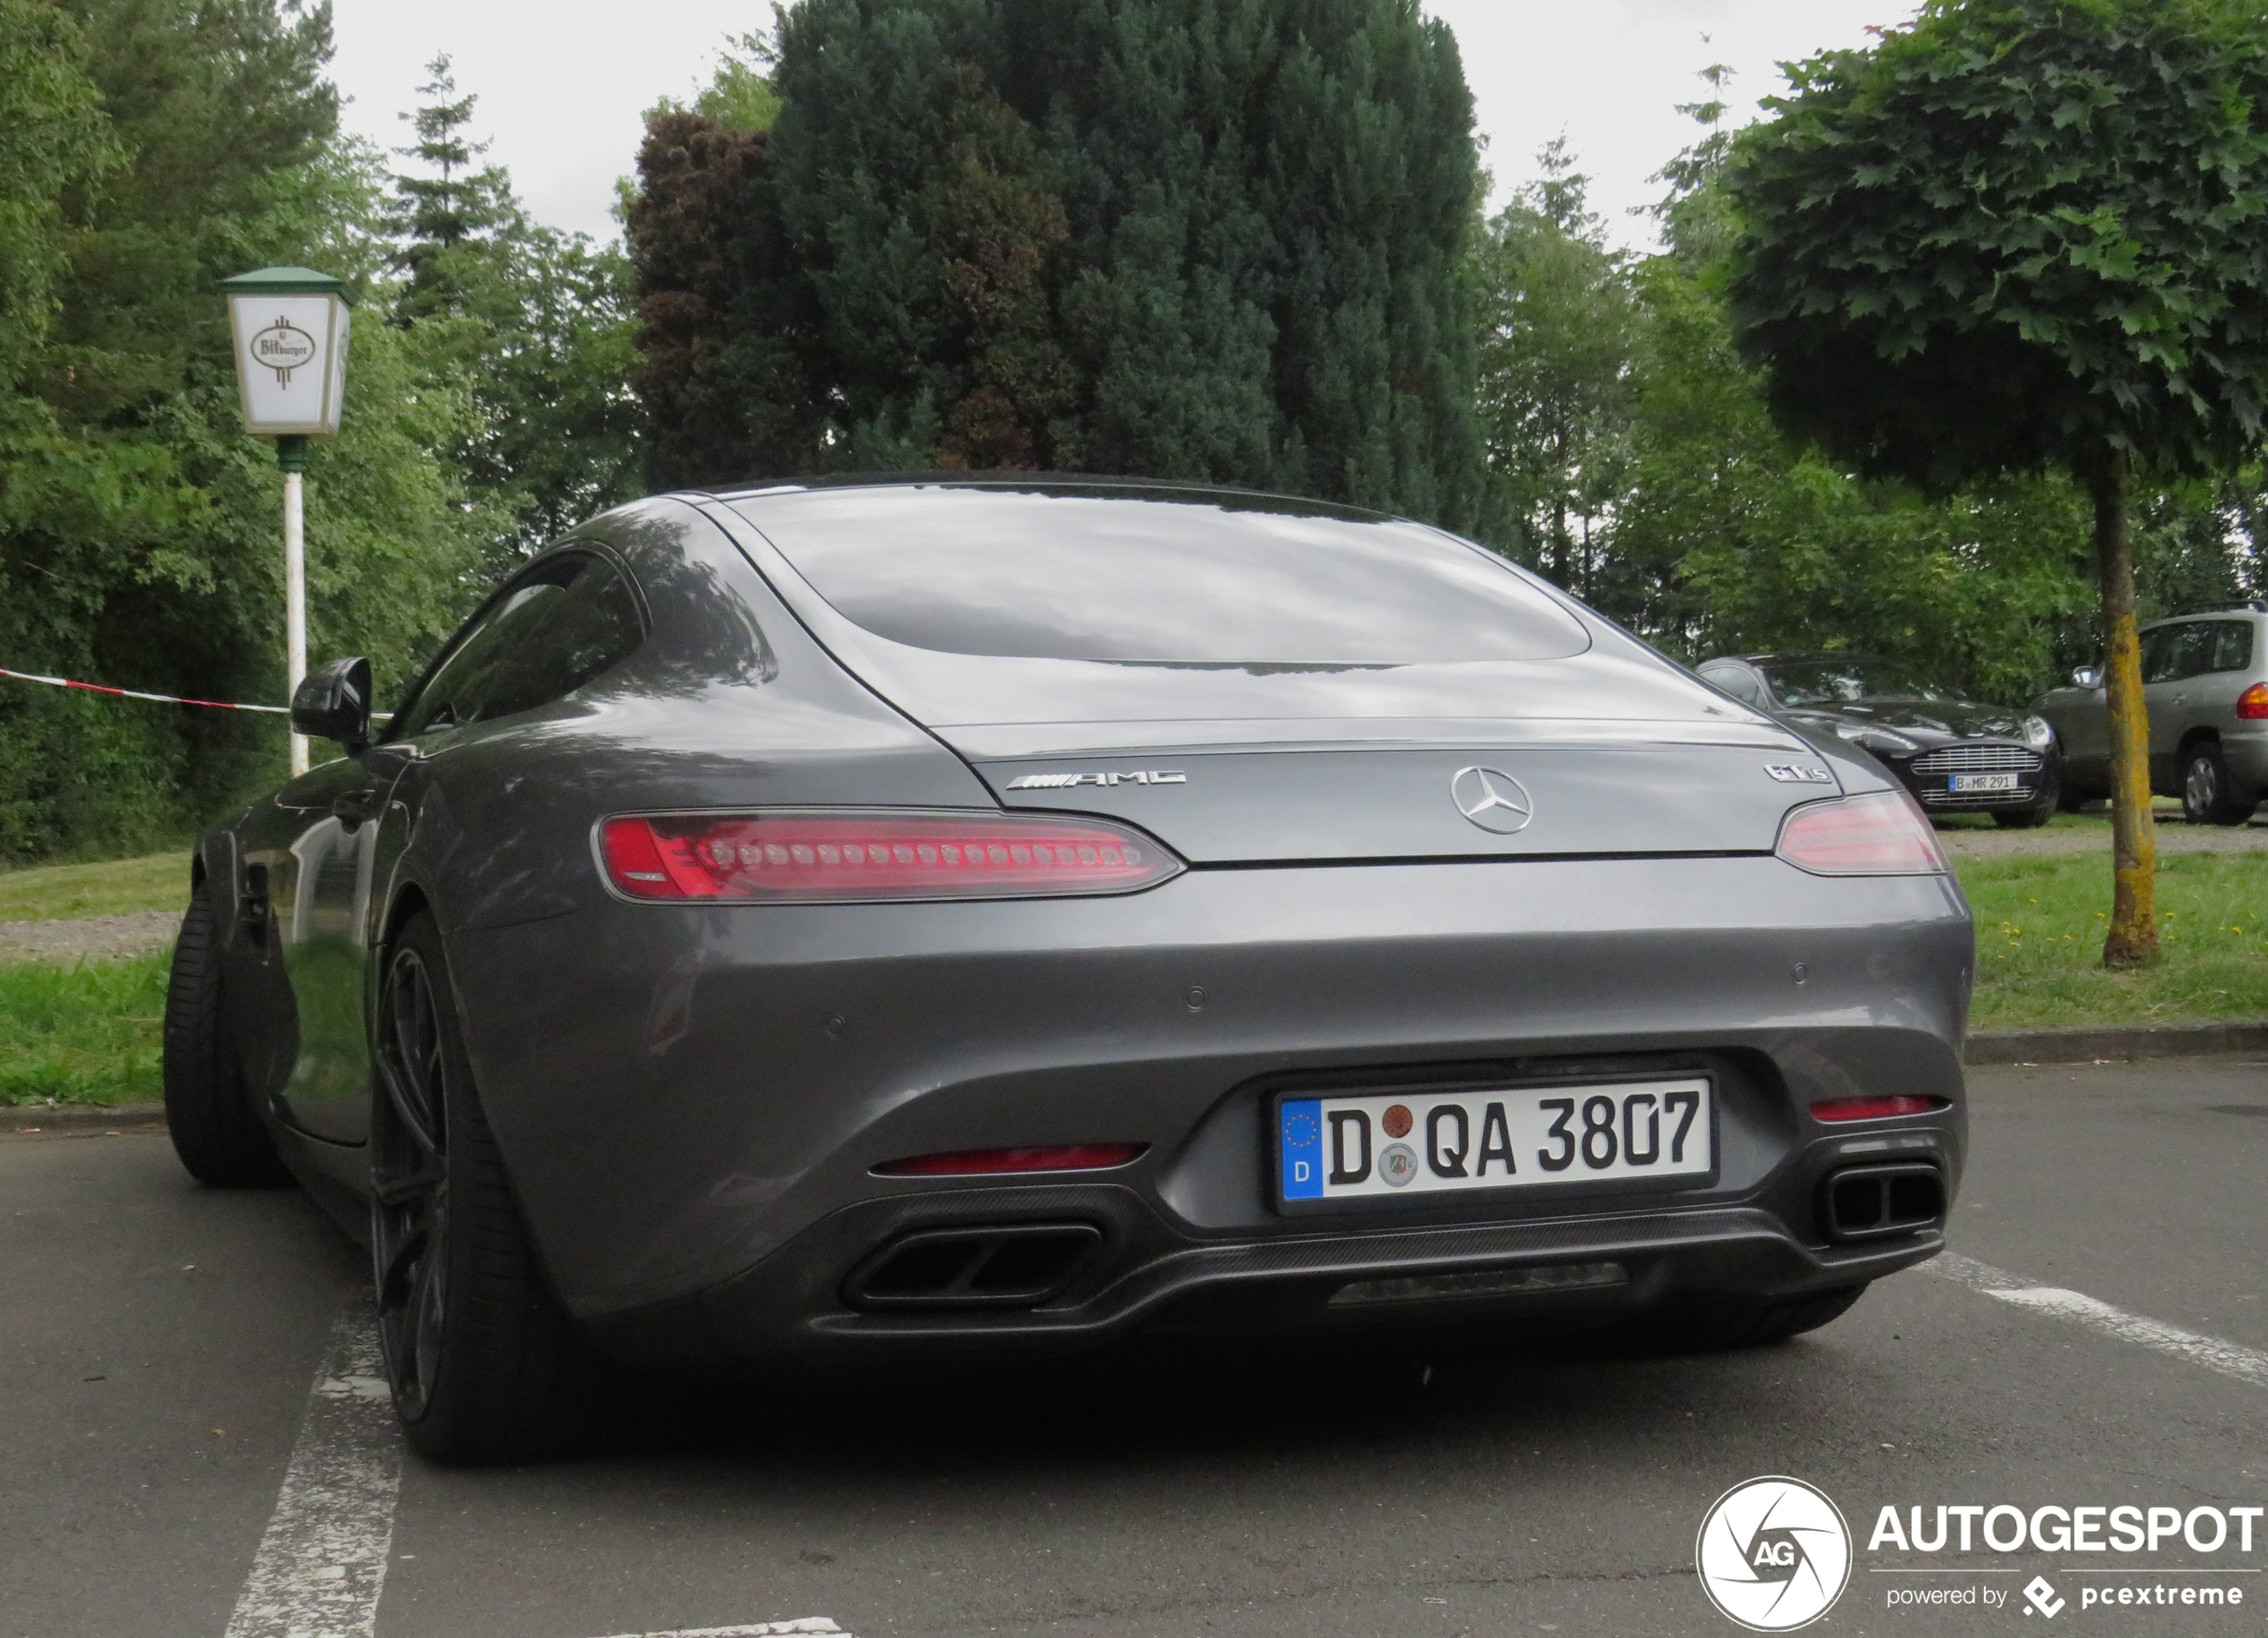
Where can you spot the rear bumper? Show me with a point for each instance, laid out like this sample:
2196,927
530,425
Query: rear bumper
1149,1281
2246,754
691,1098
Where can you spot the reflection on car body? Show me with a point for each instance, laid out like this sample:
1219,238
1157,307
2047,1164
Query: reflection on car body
890,921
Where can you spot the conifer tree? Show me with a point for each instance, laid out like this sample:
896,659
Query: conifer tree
1217,239
441,213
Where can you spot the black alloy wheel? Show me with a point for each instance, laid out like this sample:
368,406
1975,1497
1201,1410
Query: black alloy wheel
2208,793
410,1182
484,1363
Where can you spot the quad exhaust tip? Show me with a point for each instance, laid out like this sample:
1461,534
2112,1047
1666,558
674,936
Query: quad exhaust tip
1873,1202
1007,1265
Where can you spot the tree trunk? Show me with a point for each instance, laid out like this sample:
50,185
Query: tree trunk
2134,851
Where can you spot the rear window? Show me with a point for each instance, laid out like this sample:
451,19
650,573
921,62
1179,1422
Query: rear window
1202,581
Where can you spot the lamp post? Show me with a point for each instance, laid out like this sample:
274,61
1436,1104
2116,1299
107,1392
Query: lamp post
289,324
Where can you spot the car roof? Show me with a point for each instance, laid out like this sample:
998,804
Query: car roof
2256,606
1090,484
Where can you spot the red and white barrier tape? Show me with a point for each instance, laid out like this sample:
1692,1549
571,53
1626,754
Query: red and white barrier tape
136,693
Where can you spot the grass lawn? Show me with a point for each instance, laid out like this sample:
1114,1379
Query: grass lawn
88,1033
2039,941
67,892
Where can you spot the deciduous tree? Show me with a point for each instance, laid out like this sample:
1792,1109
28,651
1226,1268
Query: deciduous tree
2016,235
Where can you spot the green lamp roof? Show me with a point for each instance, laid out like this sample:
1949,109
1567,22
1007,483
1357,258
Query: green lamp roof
286,281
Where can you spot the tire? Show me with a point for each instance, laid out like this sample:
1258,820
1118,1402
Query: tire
216,1130
484,1364
1755,1326
2208,795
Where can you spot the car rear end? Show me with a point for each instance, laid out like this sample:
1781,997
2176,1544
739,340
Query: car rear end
1284,977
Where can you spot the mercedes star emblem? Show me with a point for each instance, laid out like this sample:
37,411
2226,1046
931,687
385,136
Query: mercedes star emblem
1492,799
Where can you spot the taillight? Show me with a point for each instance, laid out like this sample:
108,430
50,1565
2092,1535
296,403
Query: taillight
1876,1108
2252,704
771,858
1882,834
986,1162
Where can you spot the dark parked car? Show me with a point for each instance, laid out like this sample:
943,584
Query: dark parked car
885,922
1957,755
2204,690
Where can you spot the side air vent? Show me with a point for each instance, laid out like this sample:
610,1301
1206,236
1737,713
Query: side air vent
1869,1202
1016,1265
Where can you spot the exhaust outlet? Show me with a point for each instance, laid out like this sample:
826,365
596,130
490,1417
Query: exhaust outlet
1873,1203
1007,1265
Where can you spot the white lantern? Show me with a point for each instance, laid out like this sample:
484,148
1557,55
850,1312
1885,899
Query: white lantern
290,327
290,330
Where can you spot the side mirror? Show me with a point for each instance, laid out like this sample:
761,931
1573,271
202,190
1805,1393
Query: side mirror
333,702
2087,676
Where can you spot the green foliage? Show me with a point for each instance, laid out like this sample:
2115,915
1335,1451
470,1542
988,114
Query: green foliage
88,1034
1179,237
738,96
53,140
1559,321
138,525
2017,234
538,323
1640,463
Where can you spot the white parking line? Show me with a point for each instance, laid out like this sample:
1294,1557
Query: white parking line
321,1563
760,1630
2215,1353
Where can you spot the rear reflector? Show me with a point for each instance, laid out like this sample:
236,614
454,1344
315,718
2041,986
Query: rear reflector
882,854
983,1163
1882,834
2252,704
1875,1108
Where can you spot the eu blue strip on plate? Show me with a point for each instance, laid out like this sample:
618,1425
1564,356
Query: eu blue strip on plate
1303,1148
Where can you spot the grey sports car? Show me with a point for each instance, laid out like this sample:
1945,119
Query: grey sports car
886,920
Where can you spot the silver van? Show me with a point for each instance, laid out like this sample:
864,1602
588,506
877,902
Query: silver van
2205,684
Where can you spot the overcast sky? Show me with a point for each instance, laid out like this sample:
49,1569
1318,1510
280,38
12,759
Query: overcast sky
562,86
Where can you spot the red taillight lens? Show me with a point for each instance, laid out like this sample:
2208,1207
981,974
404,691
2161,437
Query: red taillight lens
2252,704
981,1162
1882,834
1875,1108
770,857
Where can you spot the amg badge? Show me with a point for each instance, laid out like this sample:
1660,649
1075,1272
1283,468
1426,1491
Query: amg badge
1796,773
1063,782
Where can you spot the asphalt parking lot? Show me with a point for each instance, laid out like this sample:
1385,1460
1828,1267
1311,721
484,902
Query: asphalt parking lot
158,1342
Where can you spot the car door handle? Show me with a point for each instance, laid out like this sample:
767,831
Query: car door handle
358,808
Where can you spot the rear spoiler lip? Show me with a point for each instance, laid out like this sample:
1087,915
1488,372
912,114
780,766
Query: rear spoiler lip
1015,742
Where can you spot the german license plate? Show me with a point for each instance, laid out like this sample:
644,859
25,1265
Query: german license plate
1429,1143
1984,782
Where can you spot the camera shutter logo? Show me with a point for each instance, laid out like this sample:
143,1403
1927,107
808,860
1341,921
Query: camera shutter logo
1775,1554
283,347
